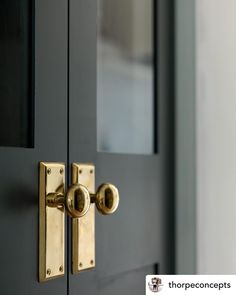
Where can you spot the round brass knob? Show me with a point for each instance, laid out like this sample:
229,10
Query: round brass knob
106,198
77,201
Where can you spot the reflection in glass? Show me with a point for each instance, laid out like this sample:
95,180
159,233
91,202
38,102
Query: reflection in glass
125,76
16,73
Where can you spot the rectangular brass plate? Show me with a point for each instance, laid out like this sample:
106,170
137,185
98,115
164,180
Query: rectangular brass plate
83,229
51,223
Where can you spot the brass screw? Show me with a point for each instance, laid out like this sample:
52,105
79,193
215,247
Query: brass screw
80,171
91,262
61,171
61,268
49,171
81,264
49,271
91,171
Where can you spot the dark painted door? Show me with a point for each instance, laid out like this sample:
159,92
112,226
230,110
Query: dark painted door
53,79
138,239
33,128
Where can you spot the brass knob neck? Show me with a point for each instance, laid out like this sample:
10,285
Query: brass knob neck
55,200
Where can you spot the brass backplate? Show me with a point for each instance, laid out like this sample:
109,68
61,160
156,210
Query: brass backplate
51,223
83,229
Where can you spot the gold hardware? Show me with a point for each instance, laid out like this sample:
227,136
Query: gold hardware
77,200
79,203
106,198
51,221
83,230
53,203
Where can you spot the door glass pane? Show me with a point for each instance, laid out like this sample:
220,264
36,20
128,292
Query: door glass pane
16,85
125,96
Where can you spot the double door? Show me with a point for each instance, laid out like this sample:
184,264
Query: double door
79,85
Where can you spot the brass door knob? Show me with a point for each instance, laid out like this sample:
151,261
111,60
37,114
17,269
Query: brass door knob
76,201
106,198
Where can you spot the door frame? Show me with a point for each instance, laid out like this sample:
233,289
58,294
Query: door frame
185,130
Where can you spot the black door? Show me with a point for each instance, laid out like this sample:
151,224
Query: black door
33,106
69,70
121,72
